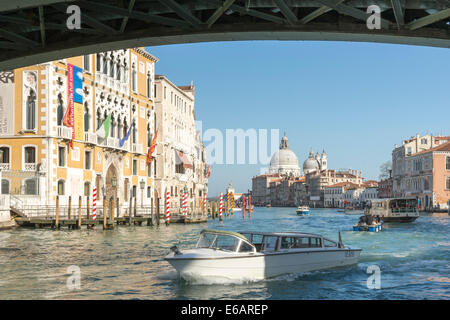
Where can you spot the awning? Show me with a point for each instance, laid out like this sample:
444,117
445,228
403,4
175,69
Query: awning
182,158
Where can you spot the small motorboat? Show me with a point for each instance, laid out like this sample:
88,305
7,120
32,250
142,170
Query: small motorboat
259,255
303,210
368,223
269,206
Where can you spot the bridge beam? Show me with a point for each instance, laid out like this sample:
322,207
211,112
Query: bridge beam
219,12
182,12
398,13
432,18
286,11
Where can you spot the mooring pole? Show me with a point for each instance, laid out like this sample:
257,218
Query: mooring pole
57,213
79,212
131,207
112,211
87,208
105,216
118,207
70,207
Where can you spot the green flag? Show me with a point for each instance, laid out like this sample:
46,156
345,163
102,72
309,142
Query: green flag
103,131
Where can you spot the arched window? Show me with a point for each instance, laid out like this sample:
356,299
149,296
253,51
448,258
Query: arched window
119,128
133,133
60,110
113,127
87,117
30,158
61,187
31,111
30,186
5,186
149,85
4,155
87,188
99,119
99,62
133,77
111,67
105,65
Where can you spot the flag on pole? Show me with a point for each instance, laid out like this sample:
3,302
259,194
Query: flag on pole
151,149
122,141
103,131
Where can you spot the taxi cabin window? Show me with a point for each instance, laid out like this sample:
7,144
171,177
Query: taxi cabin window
245,247
300,242
269,243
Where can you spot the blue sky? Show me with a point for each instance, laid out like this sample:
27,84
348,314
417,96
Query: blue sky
355,100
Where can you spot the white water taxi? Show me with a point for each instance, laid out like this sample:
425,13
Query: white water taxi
303,210
259,255
394,210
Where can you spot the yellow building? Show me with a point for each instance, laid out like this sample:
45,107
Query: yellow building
36,160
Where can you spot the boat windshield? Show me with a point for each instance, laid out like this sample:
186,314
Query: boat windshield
218,242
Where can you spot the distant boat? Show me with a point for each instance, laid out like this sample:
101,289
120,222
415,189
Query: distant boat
351,211
268,205
395,210
303,210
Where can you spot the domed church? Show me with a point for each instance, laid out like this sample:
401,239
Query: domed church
315,163
284,161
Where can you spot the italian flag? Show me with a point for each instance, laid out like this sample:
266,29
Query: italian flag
103,131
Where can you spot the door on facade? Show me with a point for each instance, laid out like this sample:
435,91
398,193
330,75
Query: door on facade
111,183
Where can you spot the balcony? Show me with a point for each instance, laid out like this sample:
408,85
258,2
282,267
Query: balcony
137,148
5,166
90,137
112,143
29,167
64,132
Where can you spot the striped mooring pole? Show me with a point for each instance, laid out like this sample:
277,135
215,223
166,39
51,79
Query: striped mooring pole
228,203
232,202
94,204
249,206
184,203
243,207
167,207
221,206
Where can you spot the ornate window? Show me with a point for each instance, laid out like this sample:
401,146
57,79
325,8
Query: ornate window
149,85
61,186
99,62
60,111
86,117
4,158
30,158
31,111
447,165
30,186
87,188
5,186
133,77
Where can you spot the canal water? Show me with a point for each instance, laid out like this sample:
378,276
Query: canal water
127,263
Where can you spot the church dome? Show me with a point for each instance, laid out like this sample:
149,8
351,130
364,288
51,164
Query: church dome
284,161
311,164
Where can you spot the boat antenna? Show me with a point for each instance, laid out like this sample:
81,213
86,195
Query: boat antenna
340,244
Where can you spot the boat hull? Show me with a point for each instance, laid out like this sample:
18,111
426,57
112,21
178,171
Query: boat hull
261,266
303,213
398,219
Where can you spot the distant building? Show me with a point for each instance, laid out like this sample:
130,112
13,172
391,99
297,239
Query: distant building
385,187
284,162
401,164
260,188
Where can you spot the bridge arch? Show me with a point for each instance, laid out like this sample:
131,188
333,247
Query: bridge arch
34,32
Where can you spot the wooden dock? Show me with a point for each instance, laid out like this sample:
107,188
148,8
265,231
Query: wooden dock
73,223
